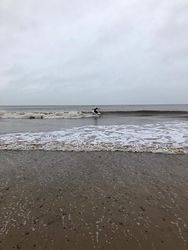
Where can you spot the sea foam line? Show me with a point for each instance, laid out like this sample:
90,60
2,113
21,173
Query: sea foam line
163,137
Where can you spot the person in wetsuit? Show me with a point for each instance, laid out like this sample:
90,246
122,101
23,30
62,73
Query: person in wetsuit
96,111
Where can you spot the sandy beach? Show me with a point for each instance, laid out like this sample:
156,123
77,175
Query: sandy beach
93,200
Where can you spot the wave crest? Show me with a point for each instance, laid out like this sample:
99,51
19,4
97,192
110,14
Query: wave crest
86,114
46,115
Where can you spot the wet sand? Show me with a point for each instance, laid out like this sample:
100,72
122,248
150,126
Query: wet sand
99,200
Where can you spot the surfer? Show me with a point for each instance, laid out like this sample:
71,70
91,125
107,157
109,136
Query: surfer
95,110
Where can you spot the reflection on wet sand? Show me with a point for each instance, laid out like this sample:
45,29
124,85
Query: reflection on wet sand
93,200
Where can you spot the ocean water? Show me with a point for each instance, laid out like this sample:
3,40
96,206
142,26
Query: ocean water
156,128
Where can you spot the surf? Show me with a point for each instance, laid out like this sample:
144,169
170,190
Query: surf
163,137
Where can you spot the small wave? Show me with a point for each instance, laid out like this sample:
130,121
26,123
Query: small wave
46,115
149,112
163,137
86,114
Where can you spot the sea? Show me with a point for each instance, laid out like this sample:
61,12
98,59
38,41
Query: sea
134,128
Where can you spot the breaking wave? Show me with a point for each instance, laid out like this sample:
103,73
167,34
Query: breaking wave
85,114
45,115
163,137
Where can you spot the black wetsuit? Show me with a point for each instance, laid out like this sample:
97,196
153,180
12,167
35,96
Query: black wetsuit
96,111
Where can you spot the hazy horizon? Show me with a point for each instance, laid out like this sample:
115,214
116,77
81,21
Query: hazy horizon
92,105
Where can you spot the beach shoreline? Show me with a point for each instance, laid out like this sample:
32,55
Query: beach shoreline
93,200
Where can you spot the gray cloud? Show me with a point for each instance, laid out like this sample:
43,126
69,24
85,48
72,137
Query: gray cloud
86,52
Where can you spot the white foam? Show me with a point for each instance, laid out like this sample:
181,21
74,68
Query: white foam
164,137
45,115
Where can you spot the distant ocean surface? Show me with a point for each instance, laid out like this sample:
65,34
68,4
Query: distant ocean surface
136,128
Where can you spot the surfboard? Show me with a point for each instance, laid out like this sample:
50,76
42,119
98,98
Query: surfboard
96,114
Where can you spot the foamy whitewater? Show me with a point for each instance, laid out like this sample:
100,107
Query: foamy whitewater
45,115
83,114
161,137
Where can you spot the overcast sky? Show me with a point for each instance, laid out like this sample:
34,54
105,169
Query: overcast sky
93,52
